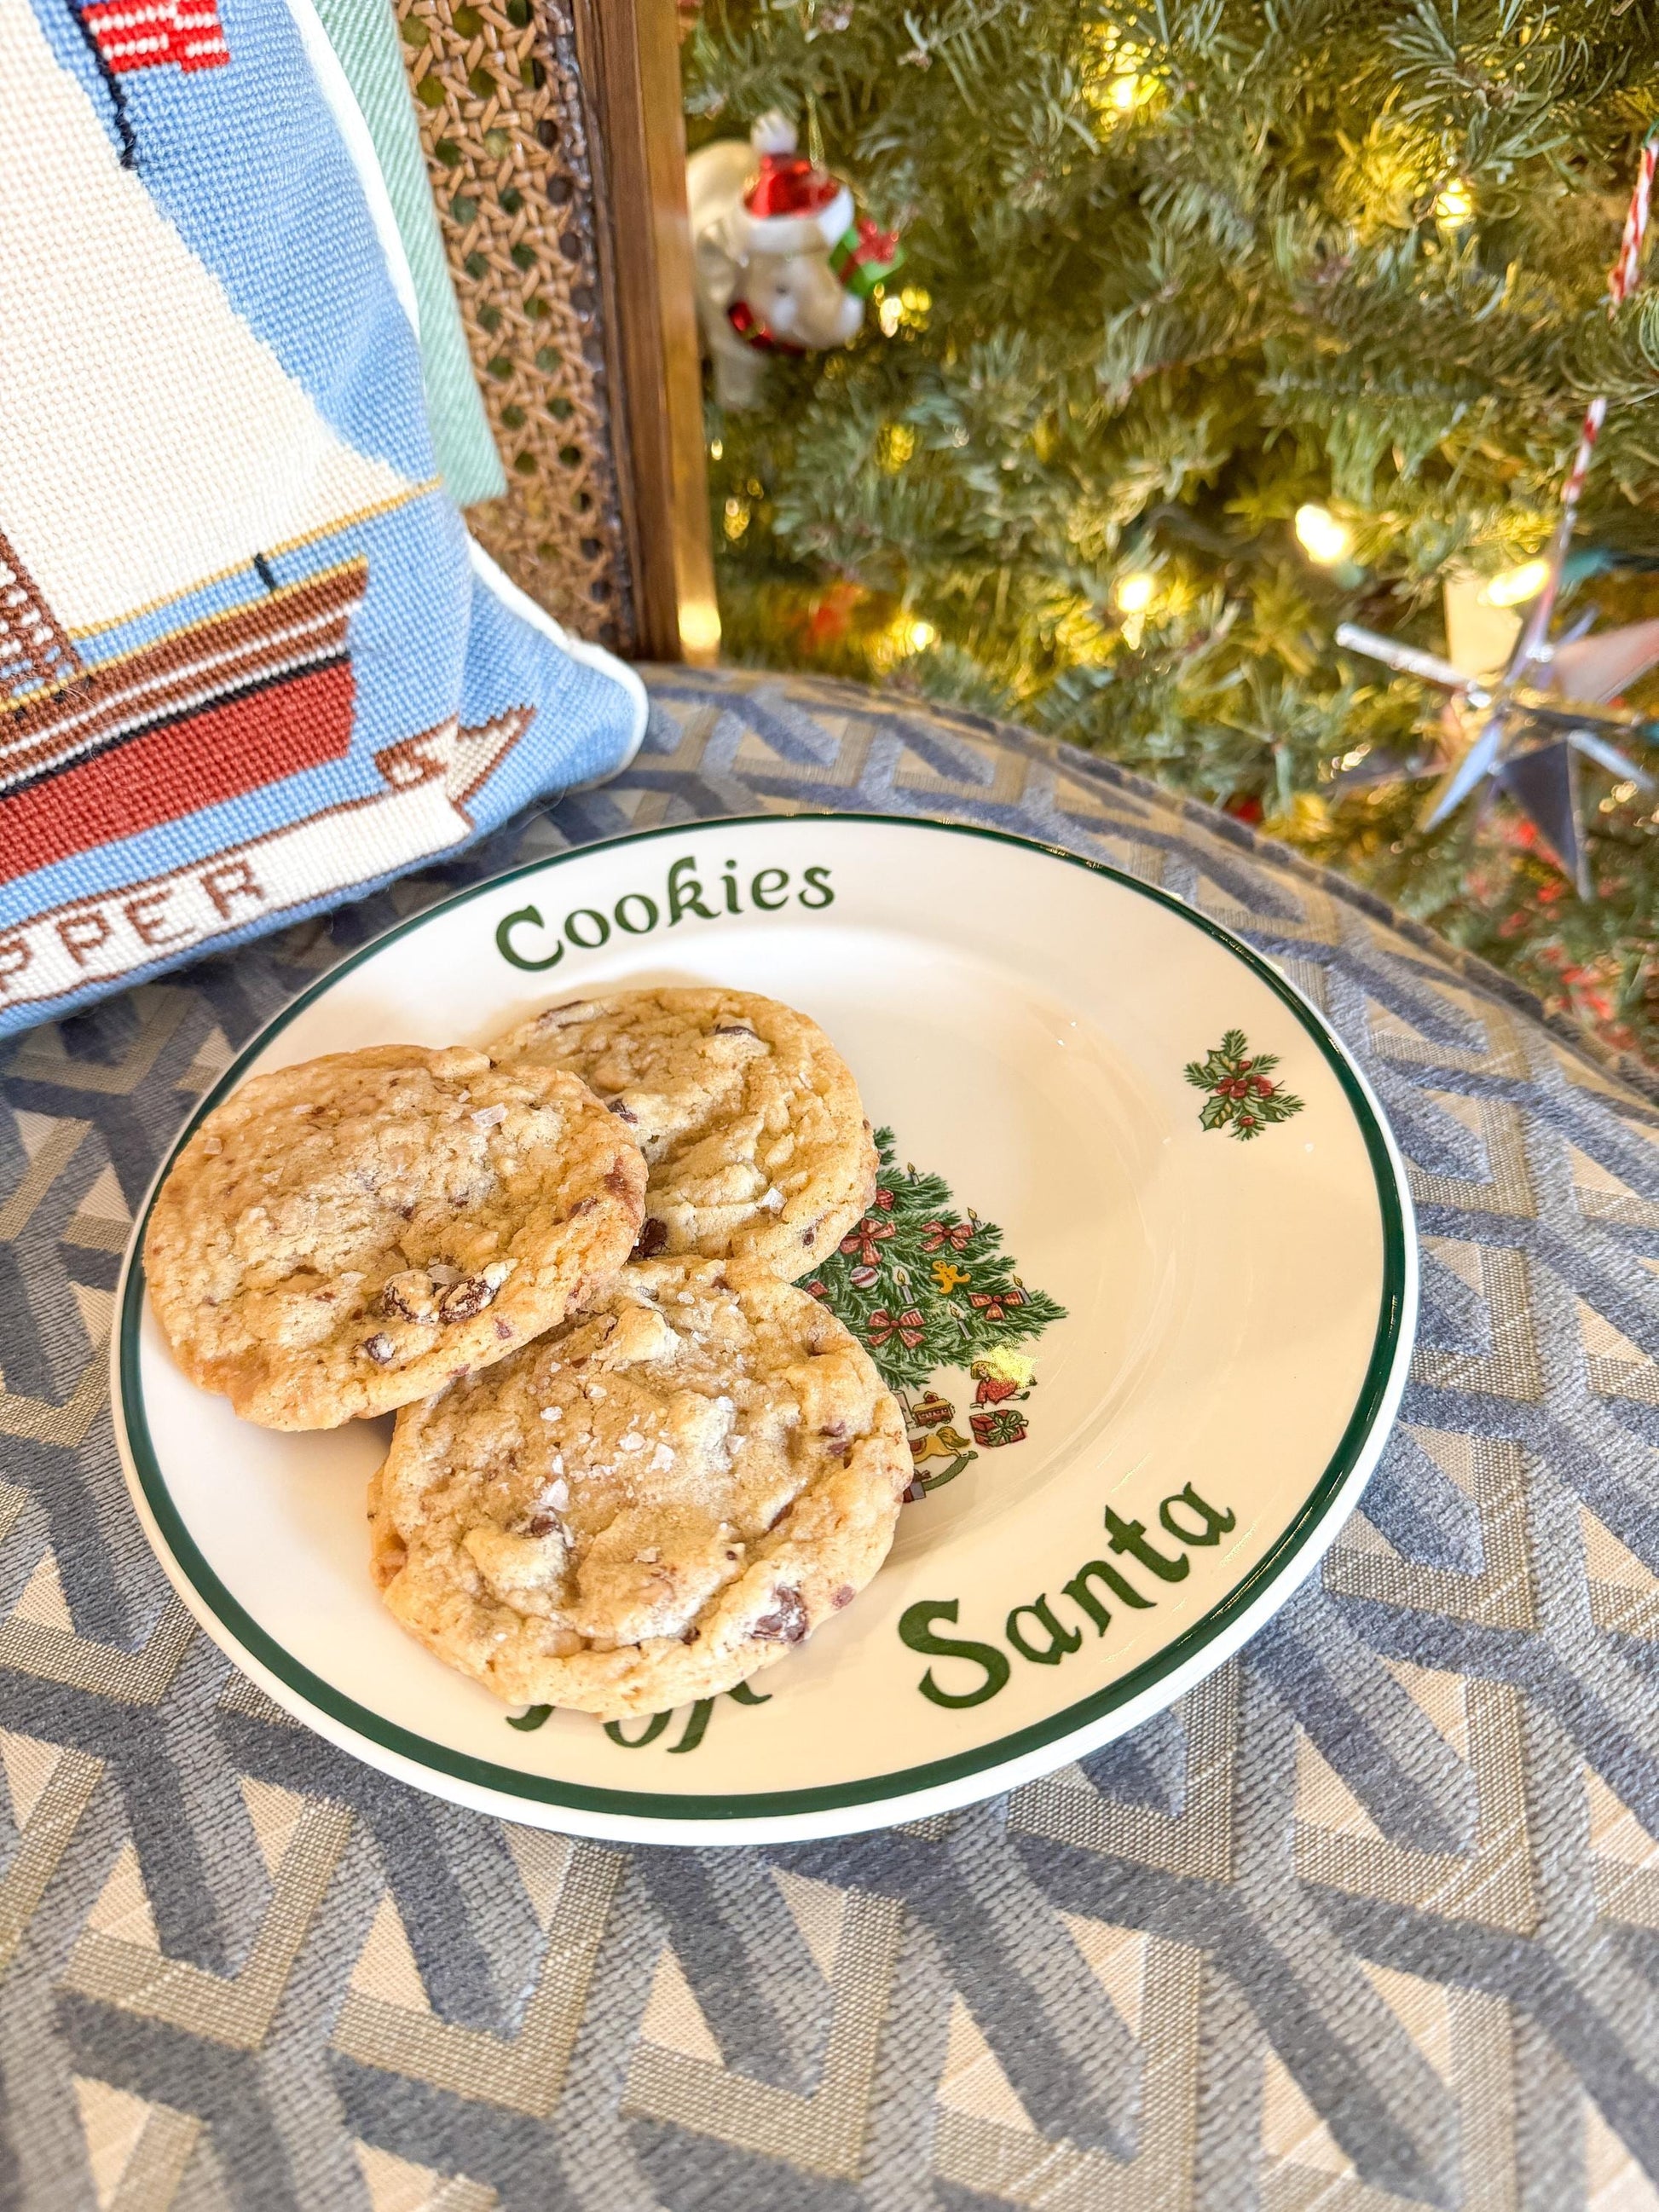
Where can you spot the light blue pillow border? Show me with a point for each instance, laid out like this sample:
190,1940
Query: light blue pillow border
353,126
364,36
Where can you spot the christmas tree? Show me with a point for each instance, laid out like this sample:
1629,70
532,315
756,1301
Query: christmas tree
924,1283
1218,325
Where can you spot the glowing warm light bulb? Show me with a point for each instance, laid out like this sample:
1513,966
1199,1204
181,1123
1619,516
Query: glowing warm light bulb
717,449
1453,203
700,629
890,314
1134,592
921,636
1125,92
1516,585
1323,537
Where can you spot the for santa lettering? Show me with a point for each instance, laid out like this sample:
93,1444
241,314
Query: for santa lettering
1038,1630
655,1724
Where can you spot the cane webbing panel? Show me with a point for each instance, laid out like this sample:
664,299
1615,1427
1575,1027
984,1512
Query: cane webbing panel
502,124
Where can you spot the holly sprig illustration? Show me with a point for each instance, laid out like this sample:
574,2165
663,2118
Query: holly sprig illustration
1243,1097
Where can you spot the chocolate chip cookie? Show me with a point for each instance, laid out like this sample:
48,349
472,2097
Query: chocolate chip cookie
747,1115
342,1236
648,1505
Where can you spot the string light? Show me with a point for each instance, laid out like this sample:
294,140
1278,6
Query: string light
717,449
1516,585
1453,203
921,636
700,628
1133,593
1323,537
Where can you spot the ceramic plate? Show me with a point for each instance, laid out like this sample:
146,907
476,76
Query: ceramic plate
1139,1266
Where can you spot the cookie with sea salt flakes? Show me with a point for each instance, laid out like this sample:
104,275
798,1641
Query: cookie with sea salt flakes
748,1117
342,1236
649,1504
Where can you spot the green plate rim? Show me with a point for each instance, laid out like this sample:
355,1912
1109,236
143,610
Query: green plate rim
637,1804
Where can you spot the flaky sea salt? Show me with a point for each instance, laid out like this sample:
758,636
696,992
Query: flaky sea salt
631,1442
486,1117
662,1458
552,1413
649,1556
558,1495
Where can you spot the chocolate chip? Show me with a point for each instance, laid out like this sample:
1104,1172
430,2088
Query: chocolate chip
615,1106
462,1300
807,1235
380,1348
786,1623
736,1028
691,1634
844,1595
836,1429
617,1179
504,1330
583,1206
407,1296
652,1238
545,1524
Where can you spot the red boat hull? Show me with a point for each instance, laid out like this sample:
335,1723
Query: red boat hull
299,720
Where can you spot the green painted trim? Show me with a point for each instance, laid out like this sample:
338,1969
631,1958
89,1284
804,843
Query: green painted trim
364,36
639,1804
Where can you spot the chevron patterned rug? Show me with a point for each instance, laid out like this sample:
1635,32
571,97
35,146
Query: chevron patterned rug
1369,1922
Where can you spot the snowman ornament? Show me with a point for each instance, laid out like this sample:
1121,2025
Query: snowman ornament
782,264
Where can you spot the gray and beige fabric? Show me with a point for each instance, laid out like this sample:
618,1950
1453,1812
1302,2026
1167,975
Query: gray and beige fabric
1368,1923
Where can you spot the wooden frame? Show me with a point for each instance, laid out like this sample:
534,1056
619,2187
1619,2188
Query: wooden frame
628,55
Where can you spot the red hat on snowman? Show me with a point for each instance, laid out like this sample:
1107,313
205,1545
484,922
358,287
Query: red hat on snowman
790,207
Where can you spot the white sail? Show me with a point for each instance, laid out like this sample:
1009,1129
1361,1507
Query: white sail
148,439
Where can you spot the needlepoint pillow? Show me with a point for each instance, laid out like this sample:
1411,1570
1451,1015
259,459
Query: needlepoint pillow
250,662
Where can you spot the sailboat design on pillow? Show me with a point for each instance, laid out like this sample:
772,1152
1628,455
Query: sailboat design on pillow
228,477
185,545
206,713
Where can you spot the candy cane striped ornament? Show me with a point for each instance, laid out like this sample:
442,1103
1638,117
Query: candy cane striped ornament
1622,280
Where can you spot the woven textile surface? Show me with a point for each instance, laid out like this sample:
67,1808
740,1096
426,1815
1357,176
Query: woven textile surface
1369,1922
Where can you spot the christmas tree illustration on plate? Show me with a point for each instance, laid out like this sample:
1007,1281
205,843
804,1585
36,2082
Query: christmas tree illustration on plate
925,1285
